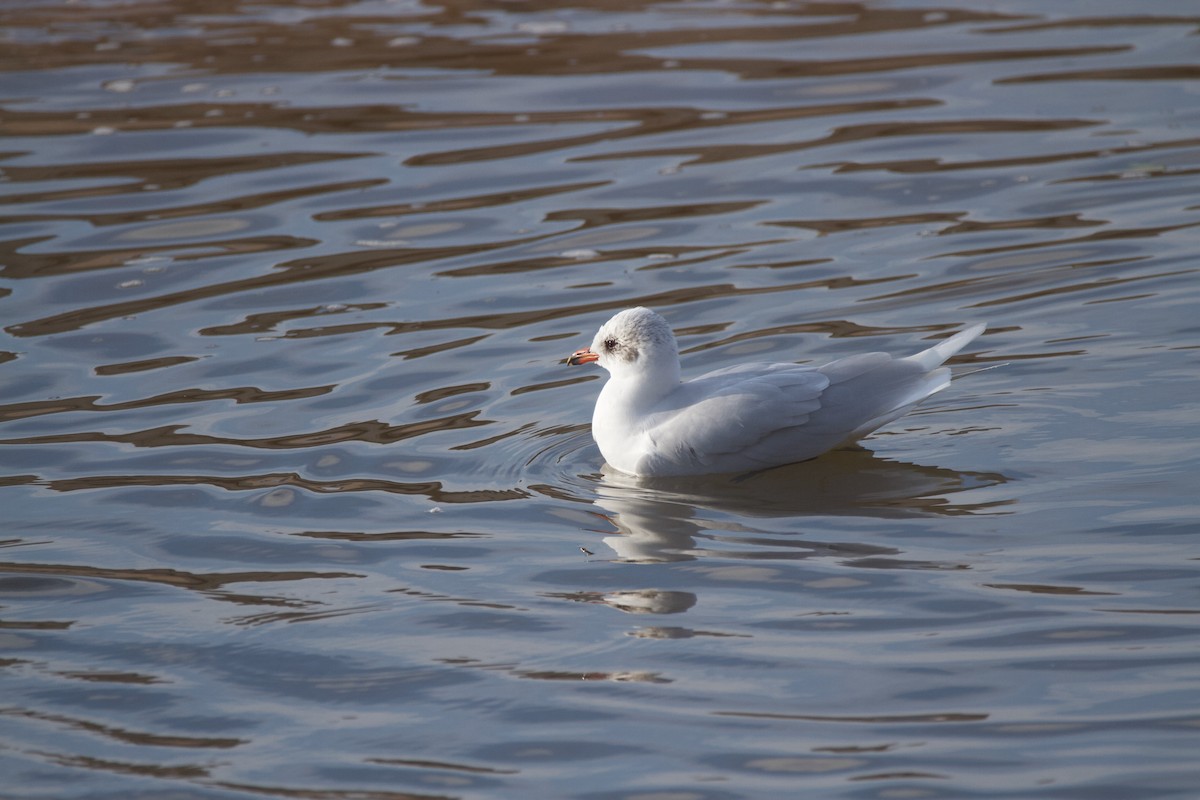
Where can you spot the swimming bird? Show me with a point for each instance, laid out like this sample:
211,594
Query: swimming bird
649,422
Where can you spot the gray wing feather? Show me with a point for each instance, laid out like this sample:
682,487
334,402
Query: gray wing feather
866,392
769,414
755,406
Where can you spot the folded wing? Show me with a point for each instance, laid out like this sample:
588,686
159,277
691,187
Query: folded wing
755,416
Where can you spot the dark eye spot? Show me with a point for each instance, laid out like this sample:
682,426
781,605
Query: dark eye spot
611,344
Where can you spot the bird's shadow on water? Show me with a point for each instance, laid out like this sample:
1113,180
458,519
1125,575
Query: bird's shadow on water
662,519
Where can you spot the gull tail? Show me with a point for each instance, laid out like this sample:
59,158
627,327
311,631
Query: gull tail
938,354
879,389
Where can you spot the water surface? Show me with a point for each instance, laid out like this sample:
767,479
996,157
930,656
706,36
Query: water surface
299,499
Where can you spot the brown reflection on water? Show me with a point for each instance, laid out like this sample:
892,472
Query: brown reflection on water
931,165
355,263
471,768
35,625
620,123
372,431
388,536
268,321
301,793
138,175
837,328
1080,286
1114,21
1052,222
114,677
184,771
834,329
243,203
123,735
1036,588
1106,235
201,582
633,676
432,489
637,676
825,227
464,203
240,395
1038,275
653,123
1181,72
272,617
753,69
610,256
599,217
714,154
312,269
126,367
20,265
903,719
213,38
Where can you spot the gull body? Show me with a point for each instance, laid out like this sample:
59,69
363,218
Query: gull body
648,422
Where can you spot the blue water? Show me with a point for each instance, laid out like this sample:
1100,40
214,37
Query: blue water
300,501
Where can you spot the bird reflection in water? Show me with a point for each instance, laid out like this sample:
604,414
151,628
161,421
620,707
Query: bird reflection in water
676,519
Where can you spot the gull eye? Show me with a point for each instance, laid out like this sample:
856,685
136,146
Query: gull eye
611,344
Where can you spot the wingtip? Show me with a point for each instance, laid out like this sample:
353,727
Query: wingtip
943,350
962,338
976,329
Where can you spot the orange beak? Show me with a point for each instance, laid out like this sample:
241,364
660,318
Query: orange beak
584,356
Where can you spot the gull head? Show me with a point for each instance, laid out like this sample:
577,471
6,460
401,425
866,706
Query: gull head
635,341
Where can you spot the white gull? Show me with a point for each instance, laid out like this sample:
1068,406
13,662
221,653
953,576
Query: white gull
648,422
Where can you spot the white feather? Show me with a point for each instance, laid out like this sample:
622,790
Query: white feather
747,417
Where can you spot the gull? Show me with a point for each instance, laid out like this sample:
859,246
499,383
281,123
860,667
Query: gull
648,422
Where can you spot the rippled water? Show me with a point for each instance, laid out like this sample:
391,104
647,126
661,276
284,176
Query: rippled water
299,500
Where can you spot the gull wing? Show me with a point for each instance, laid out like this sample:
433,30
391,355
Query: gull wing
759,415
868,391
732,419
